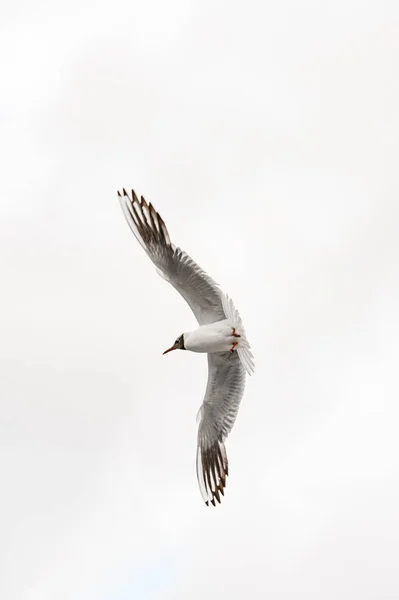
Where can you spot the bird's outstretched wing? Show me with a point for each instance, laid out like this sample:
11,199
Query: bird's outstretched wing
173,264
226,381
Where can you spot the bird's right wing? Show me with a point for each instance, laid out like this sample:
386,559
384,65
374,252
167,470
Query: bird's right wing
226,381
197,288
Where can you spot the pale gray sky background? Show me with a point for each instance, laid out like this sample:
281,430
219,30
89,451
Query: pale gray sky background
266,134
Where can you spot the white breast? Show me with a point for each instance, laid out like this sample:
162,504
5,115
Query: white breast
215,337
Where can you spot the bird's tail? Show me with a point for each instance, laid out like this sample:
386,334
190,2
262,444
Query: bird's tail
243,347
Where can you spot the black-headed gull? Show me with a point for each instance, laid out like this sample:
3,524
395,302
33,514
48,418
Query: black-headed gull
220,334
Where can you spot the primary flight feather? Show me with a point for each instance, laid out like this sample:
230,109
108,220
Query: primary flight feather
220,334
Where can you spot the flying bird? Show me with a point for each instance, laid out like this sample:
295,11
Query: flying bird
220,334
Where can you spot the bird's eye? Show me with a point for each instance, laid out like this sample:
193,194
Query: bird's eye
177,341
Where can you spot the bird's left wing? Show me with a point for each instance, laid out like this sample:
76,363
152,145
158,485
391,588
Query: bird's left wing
173,264
226,382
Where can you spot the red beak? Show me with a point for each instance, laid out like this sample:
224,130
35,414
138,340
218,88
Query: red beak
174,347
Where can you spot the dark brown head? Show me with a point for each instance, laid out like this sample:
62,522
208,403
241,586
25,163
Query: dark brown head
178,345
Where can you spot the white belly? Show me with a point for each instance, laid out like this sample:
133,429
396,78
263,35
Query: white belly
215,337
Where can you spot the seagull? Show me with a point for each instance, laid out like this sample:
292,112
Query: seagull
220,334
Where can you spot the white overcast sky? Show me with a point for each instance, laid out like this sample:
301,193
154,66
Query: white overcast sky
267,135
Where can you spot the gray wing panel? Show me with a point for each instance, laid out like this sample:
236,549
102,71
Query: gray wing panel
226,382
198,289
